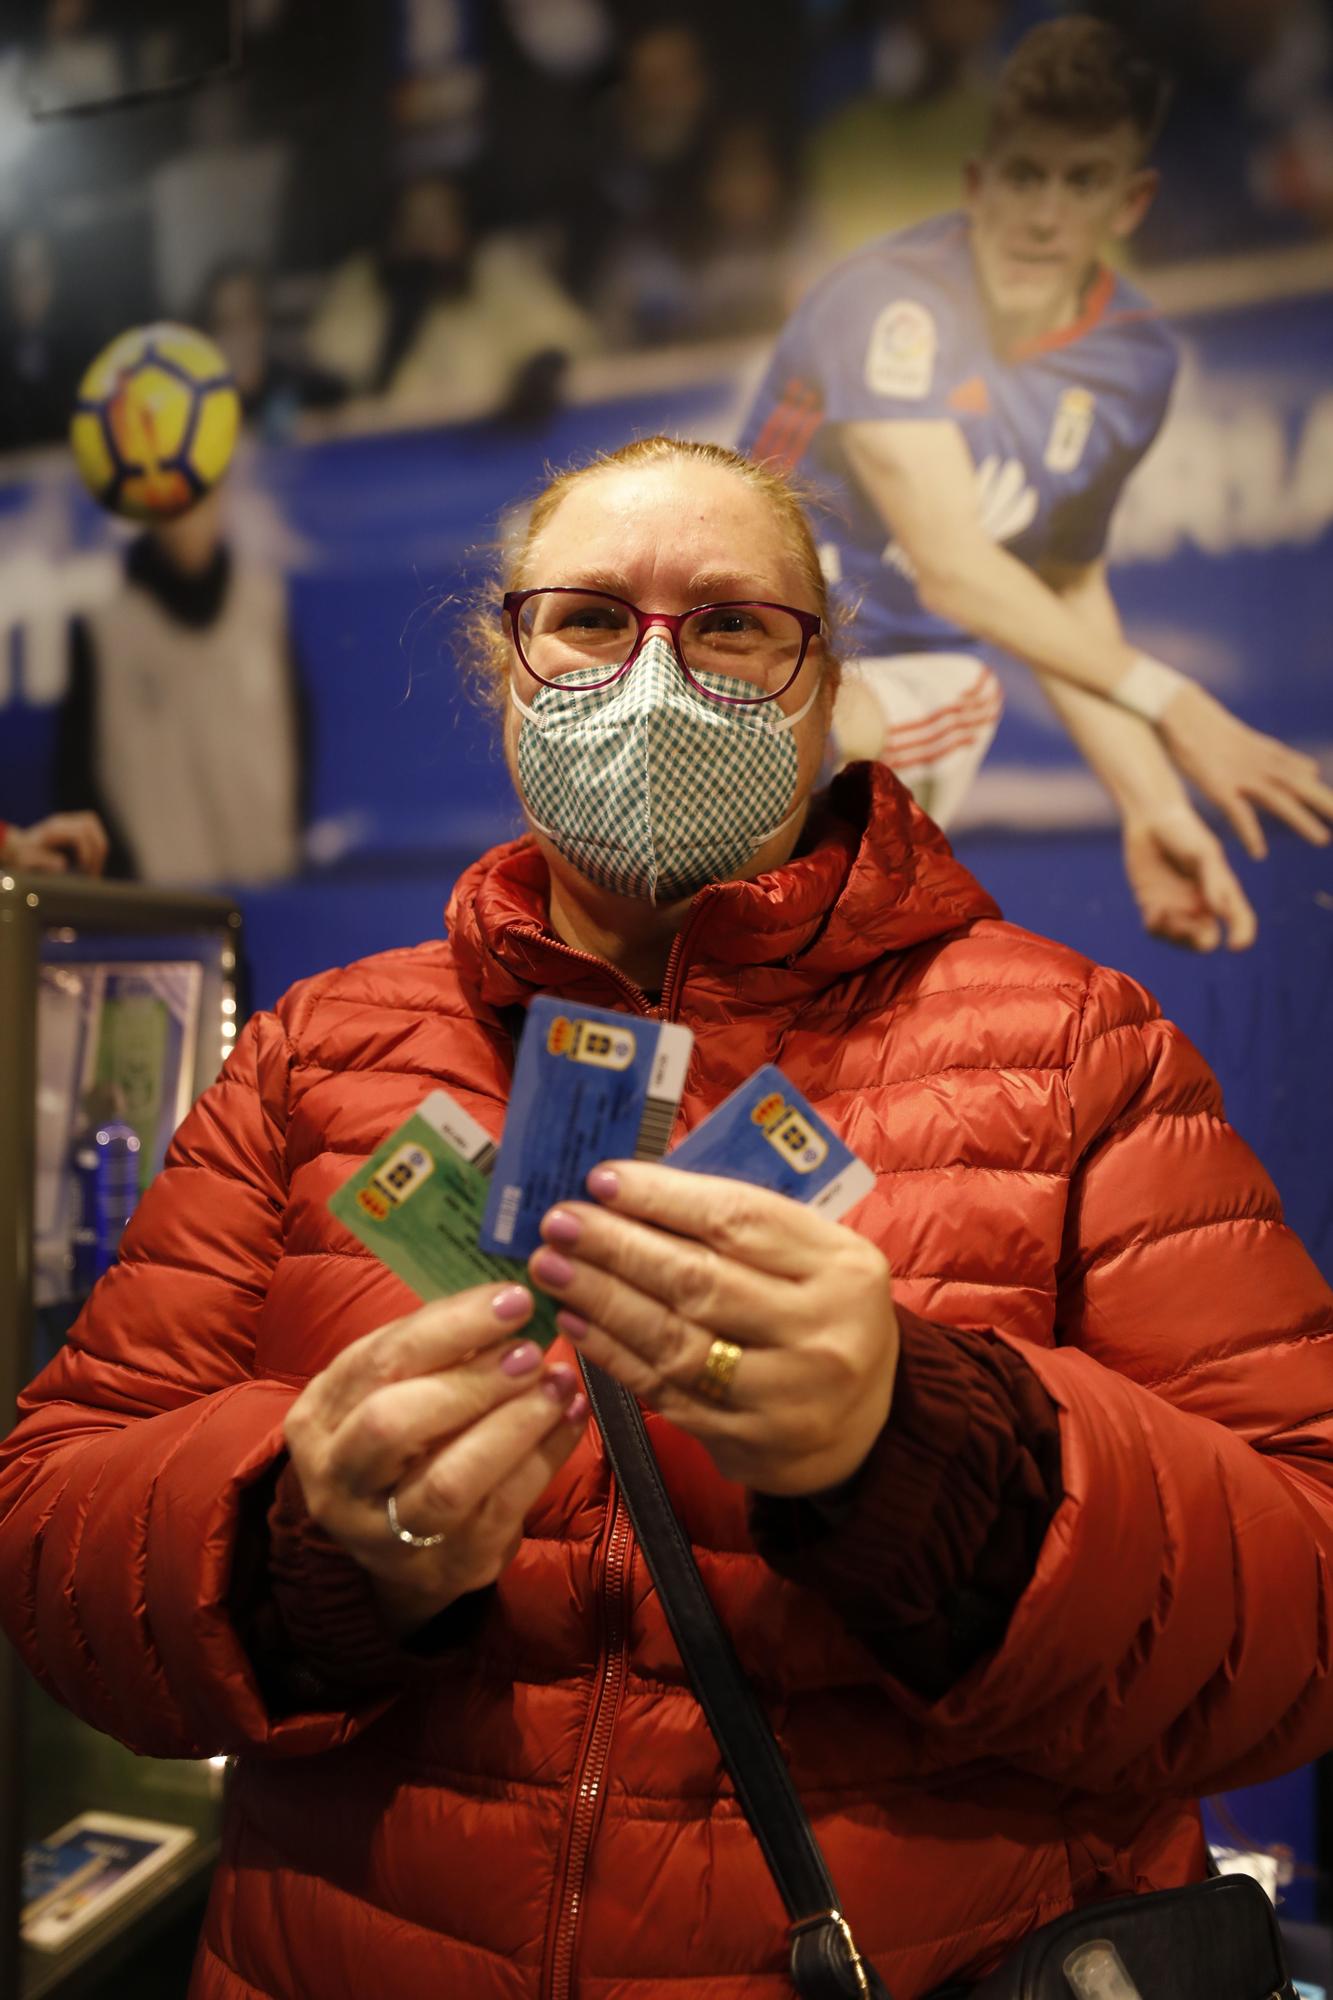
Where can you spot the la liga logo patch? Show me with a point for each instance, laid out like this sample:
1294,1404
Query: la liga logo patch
900,357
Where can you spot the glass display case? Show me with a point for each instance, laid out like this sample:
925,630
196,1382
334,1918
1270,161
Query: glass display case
118,1005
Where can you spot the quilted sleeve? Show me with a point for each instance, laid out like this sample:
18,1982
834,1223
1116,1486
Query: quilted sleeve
926,1550
148,1446
1177,1635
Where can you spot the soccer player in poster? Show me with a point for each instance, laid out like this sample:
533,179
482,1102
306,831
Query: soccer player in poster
967,398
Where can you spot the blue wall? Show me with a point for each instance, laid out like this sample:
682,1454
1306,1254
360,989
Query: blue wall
1222,561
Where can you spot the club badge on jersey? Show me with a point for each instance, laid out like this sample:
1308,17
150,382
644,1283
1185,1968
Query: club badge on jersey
1070,429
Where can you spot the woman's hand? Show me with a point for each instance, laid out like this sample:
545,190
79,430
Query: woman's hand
48,847
665,1263
462,1424
1182,881
1240,768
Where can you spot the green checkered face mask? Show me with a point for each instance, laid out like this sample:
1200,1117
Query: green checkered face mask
651,789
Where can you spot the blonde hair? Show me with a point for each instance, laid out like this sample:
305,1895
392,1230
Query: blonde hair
485,658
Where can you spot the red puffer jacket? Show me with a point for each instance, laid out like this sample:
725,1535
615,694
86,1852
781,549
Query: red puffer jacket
538,1808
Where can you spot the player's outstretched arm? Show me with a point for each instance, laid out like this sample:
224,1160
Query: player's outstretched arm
921,478
1177,868
1242,770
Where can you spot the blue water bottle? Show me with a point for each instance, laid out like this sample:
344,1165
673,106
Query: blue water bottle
105,1159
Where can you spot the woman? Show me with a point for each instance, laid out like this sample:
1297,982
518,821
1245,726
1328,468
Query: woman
1017,1503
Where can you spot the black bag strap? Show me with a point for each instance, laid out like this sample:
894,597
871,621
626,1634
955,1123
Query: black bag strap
825,1963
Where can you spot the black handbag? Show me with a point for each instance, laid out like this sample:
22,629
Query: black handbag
1215,1940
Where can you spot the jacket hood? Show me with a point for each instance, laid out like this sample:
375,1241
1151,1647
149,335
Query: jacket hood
878,876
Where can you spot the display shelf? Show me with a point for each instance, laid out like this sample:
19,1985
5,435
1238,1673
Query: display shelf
56,1767
70,1768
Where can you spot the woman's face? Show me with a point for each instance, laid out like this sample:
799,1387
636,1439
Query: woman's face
667,537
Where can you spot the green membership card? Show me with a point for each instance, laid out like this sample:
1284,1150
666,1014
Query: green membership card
418,1201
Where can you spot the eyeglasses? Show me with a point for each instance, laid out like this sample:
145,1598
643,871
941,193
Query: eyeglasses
562,630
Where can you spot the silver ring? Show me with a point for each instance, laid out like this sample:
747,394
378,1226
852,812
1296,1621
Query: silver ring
405,1535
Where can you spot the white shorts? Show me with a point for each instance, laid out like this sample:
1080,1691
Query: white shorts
929,716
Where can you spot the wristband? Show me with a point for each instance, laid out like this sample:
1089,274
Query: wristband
1149,688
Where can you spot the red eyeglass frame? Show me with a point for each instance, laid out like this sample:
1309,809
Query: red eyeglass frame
810,622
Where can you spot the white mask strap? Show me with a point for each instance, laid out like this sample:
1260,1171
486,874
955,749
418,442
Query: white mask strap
798,715
522,706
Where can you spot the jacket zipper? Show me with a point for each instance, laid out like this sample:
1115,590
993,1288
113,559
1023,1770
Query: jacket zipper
589,1797
627,986
671,976
613,1657
676,956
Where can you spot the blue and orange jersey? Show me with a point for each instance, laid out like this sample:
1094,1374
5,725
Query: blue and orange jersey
898,332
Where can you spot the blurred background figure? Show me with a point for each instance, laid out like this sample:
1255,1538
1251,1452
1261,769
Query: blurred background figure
651,134
550,61
659,122
184,725
442,319
221,197
914,81
274,387
77,61
720,263
38,367
440,94
1247,154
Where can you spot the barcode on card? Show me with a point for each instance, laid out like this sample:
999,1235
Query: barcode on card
507,1214
659,1115
484,1161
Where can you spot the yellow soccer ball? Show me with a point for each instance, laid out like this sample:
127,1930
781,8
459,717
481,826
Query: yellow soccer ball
155,421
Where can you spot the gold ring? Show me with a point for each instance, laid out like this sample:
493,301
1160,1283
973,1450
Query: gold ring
714,1379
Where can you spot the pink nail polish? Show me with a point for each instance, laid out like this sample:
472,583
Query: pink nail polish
558,1381
550,1268
572,1324
561,1227
522,1360
577,1413
512,1303
604,1184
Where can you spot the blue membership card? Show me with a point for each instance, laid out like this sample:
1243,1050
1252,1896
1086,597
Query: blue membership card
589,1085
767,1133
